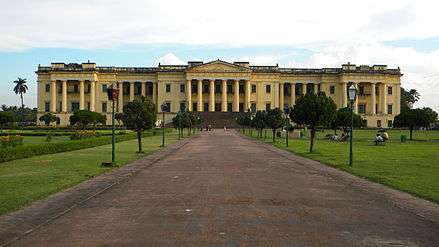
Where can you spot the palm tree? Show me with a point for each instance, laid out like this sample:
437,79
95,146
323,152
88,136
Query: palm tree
20,88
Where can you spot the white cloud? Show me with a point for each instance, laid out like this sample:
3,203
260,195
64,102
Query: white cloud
420,69
110,23
170,59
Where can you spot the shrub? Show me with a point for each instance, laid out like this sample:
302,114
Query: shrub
20,152
84,134
11,141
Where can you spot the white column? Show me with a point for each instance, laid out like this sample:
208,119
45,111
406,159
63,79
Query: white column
120,97
92,95
131,90
143,88
316,88
189,94
81,95
276,94
398,99
236,97
373,96
293,94
356,100
224,96
154,94
384,98
344,94
53,93
281,96
247,95
200,95
212,95
304,88
64,96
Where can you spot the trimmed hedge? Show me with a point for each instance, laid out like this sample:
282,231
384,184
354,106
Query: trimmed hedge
55,133
20,152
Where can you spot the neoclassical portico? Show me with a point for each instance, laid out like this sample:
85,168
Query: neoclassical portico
217,86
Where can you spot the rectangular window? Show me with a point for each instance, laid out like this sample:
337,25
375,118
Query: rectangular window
332,89
47,106
182,88
253,107
75,88
88,106
267,106
362,108
168,88
194,106
361,90
47,88
88,88
206,106
75,106
168,107
229,107
389,90
205,88
268,88
194,88
59,106
182,106
217,106
217,88
389,109
390,123
104,106
241,88
104,88
253,88
229,89
241,107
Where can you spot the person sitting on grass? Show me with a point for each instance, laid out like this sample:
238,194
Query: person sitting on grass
379,139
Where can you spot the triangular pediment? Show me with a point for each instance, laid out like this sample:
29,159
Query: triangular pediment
218,66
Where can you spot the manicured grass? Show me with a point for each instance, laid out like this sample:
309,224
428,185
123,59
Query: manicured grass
25,180
412,167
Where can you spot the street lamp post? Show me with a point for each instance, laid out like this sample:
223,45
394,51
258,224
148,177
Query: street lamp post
113,94
164,108
352,93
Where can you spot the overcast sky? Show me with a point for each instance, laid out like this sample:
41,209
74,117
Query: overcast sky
292,33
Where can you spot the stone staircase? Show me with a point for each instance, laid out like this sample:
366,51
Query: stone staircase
219,119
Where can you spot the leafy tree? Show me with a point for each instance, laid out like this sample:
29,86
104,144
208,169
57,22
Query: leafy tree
408,98
48,118
343,119
244,119
20,88
259,121
182,120
274,119
139,115
314,110
415,118
6,118
83,118
25,114
119,117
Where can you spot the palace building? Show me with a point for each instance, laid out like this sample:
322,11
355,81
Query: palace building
216,86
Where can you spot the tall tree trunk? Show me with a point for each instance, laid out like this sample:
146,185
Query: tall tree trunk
139,140
22,103
411,132
311,144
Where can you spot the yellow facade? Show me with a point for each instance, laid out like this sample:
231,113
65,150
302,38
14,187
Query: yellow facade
218,86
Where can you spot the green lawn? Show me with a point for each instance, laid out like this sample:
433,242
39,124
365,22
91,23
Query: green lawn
25,180
412,166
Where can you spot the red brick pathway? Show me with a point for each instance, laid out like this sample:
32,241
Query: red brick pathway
225,190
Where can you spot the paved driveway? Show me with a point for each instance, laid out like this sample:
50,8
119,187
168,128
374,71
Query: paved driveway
221,189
